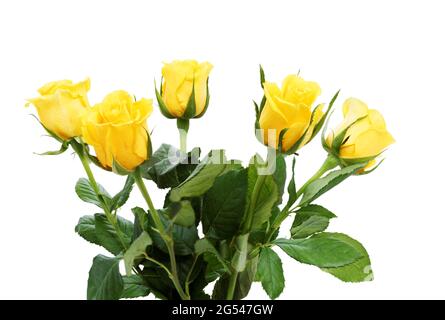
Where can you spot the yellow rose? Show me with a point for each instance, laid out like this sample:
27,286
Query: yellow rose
117,130
61,106
366,135
290,109
179,79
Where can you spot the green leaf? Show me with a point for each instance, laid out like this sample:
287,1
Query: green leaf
309,220
140,222
279,175
165,159
214,268
122,196
86,228
182,213
202,178
260,236
159,283
197,287
204,245
136,250
109,238
358,271
184,237
223,205
134,287
324,250
270,272
243,283
85,191
267,197
311,225
326,183
216,265
168,166
104,281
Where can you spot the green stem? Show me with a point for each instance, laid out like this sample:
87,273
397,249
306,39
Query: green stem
255,194
330,163
183,127
232,285
247,226
167,238
183,141
108,214
189,274
143,189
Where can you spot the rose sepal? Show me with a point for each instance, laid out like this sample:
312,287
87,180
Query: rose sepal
320,123
161,103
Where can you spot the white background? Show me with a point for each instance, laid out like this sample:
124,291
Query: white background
387,53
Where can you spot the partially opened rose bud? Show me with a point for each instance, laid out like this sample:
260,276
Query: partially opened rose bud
61,105
361,137
286,117
184,89
117,129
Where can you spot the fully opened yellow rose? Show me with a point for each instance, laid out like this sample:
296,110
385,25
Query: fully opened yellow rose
180,79
290,109
366,135
61,106
117,130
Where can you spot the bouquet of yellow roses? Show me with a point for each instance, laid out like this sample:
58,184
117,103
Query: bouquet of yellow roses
237,209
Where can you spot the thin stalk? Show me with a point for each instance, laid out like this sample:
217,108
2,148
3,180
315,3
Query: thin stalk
330,163
255,194
167,238
108,214
183,140
183,127
158,263
187,279
232,285
143,189
249,220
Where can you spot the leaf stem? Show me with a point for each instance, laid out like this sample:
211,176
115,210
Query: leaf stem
160,226
158,263
189,274
247,226
80,150
330,163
